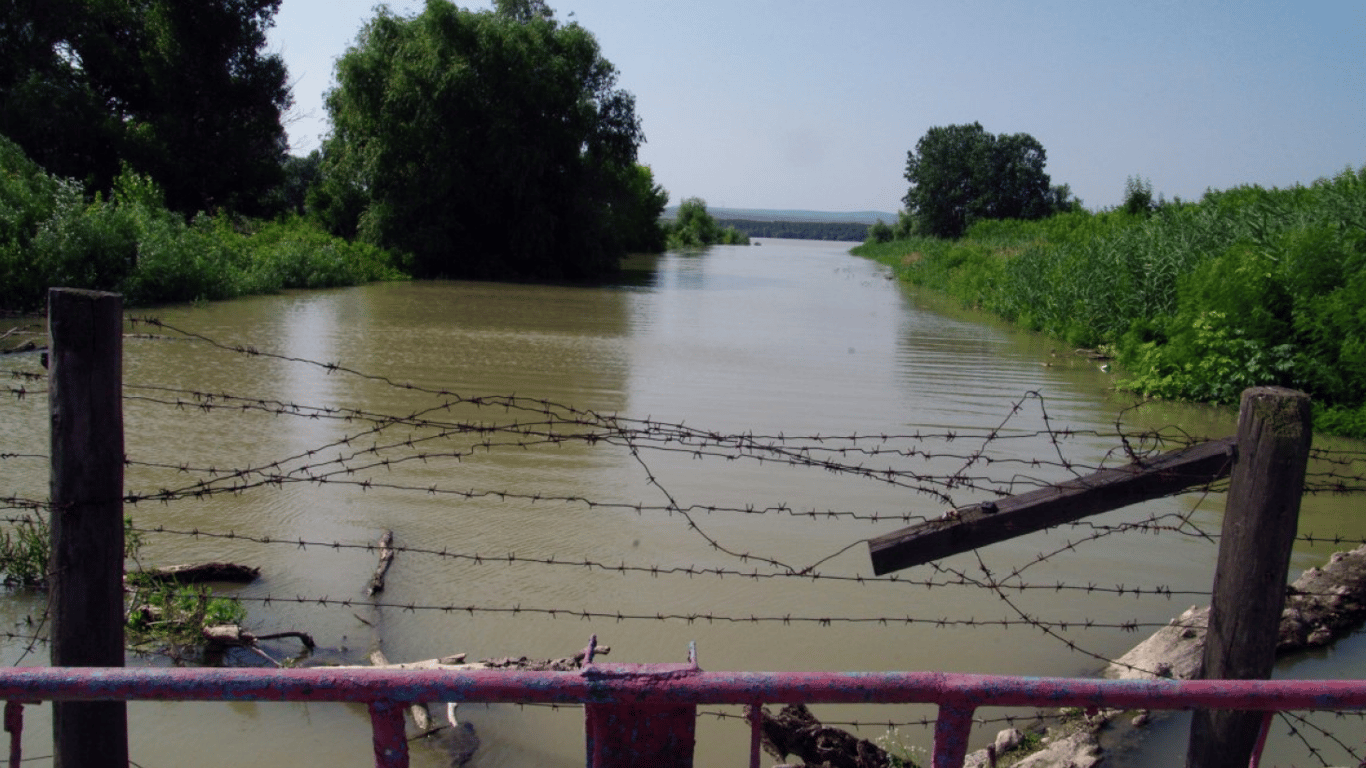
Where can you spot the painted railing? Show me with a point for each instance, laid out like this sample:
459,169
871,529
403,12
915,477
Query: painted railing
637,715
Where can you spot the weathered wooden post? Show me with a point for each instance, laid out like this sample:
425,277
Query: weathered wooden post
1260,522
85,395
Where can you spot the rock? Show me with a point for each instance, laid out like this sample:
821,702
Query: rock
460,744
1078,750
1141,719
1007,740
1174,651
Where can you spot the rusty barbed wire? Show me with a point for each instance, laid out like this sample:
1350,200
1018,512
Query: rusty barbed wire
1039,716
709,617
1299,724
656,570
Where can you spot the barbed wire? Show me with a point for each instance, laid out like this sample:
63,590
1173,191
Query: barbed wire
941,465
1299,724
708,617
656,570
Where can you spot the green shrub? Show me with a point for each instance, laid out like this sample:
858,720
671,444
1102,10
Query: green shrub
51,235
24,551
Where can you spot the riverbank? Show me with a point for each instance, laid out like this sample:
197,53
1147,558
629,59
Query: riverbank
1196,300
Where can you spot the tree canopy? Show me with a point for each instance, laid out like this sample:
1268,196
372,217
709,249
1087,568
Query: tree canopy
485,144
960,174
177,89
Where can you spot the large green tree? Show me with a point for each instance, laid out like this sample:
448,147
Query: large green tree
483,143
181,90
961,173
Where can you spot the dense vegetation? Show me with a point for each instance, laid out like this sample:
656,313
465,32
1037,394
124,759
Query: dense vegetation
183,92
799,230
486,144
693,227
1197,300
143,152
960,174
129,242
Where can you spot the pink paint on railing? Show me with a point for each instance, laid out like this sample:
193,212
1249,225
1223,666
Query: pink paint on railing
623,735
14,726
629,704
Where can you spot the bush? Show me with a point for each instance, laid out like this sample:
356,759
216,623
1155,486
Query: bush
50,235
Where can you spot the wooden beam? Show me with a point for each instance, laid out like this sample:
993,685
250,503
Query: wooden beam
990,522
85,404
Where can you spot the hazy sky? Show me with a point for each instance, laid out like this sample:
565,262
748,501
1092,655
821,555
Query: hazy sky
813,105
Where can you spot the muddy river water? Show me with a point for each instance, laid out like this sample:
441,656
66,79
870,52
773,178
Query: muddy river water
908,407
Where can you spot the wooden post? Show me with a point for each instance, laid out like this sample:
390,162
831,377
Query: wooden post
1260,522
85,395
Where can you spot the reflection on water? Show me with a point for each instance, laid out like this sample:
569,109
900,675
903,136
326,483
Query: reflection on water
796,343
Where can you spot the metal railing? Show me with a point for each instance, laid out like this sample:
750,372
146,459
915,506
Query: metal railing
645,714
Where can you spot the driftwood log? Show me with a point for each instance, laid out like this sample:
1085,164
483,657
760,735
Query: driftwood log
233,635
457,663
386,559
220,637
200,573
795,731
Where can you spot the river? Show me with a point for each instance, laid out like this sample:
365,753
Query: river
796,345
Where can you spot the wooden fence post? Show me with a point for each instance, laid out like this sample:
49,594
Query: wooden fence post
1260,523
85,395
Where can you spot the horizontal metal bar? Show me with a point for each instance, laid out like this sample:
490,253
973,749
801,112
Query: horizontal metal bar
686,687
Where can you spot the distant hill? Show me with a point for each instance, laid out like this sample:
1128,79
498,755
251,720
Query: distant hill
763,214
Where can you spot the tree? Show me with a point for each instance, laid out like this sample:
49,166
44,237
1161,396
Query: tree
179,89
1138,196
880,232
693,227
485,144
46,105
635,212
960,174
300,175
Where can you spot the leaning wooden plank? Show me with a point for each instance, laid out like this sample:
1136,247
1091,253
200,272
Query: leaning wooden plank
979,525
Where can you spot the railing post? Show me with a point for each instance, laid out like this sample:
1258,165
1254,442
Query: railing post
85,405
1260,522
625,735
14,726
951,731
389,734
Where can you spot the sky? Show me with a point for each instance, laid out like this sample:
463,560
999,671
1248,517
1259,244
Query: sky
814,104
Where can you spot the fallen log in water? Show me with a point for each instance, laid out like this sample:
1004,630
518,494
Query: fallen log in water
457,662
234,635
198,573
795,731
386,559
